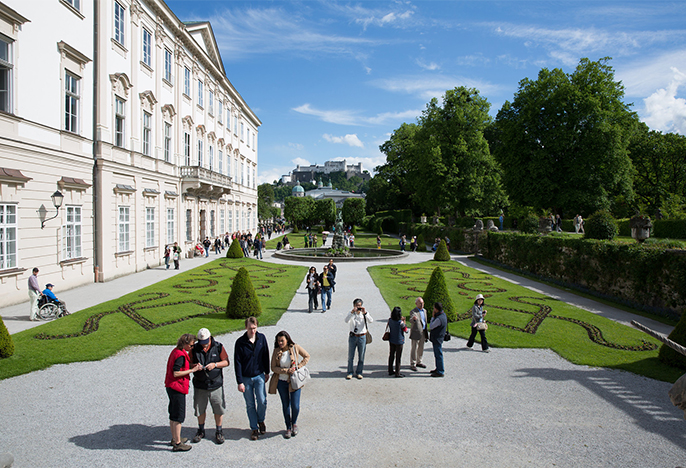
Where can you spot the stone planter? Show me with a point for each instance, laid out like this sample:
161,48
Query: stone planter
423,219
640,228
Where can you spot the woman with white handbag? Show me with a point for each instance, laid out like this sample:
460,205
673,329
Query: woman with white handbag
478,323
290,376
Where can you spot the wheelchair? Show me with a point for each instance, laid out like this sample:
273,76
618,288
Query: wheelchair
50,310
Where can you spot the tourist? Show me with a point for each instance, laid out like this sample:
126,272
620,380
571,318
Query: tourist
326,283
558,223
208,386
378,242
439,325
447,242
418,334
207,243
396,340
403,241
333,269
34,294
176,255
167,255
258,247
47,292
307,240
478,316
502,220
351,239
413,244
357,339
176,382
346,239
251,363
217,246
285,362
313,289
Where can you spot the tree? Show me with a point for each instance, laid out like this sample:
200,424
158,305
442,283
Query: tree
243,301
235,250
299,210
436,291
353,211
6,343
562,142
659,161
265,198
325,210
392,186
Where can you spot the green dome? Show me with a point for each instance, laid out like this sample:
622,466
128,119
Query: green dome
298,189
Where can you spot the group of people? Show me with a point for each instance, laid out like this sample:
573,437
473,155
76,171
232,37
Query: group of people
172,252
205,358
37,297
321,285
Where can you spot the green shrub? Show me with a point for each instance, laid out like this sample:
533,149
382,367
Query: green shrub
442,254
295,230
379,229
678,335
320,229
235,250
243,301
6,343
353,231
421,243
601,225
671,228
436,291
529,224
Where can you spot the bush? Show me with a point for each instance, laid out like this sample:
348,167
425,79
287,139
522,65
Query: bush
295,230
353,231
678,335
442,254
243,301
320,229
6,343
421,243
379,229
671,228
601,225
529,224
235,250
436,291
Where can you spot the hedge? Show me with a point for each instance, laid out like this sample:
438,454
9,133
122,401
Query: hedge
243,301
667,354
235,250
651,277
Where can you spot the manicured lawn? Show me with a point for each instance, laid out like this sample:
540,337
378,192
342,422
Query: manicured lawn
520,318
155,315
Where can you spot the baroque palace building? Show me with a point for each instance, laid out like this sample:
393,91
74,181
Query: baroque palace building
127,113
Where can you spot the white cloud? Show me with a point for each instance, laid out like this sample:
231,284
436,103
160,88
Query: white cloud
400,17
349,117
643,77
433,86
300,162
349,139
428,66
664,110
296,146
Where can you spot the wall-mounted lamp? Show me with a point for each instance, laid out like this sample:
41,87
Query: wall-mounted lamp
57,199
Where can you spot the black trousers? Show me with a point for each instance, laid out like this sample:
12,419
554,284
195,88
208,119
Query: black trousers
484,341
396,353
313,303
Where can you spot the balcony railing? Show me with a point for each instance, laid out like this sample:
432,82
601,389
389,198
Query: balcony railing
202,182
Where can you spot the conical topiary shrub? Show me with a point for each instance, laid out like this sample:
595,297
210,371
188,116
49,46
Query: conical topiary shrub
6,343
243,301
678,335
437,291
235,250
442,254
421,243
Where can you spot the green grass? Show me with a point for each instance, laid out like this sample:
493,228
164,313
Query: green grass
155,315
521,318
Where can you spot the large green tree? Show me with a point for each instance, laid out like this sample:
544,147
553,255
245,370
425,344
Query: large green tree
325,211
353,211
562,142
265,198
660,170
299,210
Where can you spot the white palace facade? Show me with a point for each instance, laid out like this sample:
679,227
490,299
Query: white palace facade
127,112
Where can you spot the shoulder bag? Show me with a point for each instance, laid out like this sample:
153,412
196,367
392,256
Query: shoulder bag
300,376
481,326
387,334
369,334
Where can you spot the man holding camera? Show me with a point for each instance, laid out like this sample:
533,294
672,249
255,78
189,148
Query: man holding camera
208,382
357,340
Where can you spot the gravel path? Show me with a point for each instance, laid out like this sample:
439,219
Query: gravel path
509,408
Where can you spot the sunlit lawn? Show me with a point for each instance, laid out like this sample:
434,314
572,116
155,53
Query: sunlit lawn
521,318
155,315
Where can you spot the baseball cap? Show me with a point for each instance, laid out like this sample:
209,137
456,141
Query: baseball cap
49,285
204,336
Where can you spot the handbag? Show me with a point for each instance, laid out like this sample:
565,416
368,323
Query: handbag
387,334
368,336
447,336
481,326
300,376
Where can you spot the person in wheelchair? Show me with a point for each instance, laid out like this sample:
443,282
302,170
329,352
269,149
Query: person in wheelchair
50,297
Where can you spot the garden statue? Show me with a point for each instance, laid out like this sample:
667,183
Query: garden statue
490,226
338,242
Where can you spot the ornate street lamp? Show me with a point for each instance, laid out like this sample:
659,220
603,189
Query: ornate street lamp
57,199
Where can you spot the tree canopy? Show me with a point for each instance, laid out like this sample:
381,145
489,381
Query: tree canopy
299,210
562,142
353,211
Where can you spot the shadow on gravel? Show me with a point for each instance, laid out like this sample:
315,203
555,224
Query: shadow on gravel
657,416
370,372
145,438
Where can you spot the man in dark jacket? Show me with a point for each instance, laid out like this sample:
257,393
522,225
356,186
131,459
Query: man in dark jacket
327,282
208,383
439,324
251,362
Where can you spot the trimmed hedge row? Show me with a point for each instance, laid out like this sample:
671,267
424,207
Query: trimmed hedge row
651,276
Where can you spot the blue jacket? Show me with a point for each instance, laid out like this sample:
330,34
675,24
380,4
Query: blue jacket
50,295
397,332
250,359
439,324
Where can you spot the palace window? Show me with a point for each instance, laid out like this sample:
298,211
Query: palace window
72,234
124,229
8,236
147,131
71,103
147,47
150,227
119,122
6,74
119,22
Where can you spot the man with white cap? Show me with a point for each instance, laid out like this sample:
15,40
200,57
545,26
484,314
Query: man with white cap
208,383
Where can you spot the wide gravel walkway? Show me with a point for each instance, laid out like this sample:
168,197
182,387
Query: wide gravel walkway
509,408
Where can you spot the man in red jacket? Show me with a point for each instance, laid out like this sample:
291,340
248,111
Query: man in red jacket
176,381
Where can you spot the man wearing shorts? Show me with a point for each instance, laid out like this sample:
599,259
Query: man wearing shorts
208,383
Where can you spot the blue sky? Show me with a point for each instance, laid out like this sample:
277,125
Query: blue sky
332,80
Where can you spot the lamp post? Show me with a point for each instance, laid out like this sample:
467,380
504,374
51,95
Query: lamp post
57,199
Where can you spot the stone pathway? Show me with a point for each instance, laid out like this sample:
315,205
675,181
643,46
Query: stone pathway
509,408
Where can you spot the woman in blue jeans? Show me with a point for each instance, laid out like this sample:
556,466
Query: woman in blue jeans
284,363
